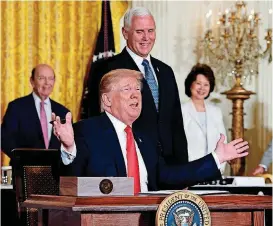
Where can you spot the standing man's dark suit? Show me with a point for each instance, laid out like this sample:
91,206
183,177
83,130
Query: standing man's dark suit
166,125
99,155
21,127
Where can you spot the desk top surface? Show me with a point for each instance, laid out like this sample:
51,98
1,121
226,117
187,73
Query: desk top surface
142,202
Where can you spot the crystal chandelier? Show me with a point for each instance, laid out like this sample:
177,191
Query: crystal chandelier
233,50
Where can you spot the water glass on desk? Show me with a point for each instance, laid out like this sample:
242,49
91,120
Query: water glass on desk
6,175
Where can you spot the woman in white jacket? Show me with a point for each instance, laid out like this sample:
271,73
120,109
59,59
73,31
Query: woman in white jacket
203,122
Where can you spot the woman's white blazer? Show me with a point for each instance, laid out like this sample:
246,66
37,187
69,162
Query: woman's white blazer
201,143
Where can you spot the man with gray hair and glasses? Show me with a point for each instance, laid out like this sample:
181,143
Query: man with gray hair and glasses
161,115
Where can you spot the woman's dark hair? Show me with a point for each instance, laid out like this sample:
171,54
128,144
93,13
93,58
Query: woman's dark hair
198,69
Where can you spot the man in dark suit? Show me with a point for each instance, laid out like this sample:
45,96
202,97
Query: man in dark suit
22,125
105,146
161,115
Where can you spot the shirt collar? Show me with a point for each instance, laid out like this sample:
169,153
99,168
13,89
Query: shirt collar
118,125
38,100
138,59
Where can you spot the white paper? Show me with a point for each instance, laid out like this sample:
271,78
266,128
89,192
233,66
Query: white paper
197,192
249,181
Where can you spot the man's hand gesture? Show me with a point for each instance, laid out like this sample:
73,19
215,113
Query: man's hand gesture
232,150
64,132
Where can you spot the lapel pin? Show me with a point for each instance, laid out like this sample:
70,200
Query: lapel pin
139,140
157,69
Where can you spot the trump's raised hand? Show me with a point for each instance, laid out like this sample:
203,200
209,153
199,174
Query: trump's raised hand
232,150
64,131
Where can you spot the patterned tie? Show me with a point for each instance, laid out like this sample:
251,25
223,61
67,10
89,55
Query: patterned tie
132,160
151,81
44,123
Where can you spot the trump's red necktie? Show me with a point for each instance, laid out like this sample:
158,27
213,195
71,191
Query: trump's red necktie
132,160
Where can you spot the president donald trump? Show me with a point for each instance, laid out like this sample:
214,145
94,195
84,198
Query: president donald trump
108,146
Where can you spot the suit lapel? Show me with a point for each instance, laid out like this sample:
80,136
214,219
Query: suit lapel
194,114
139,141
34,115
141,146
112,142
128,61
210,127
53,138
156,69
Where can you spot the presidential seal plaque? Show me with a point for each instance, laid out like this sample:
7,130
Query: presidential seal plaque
183,208
96,186
106,186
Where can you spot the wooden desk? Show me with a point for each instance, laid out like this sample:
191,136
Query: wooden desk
226,210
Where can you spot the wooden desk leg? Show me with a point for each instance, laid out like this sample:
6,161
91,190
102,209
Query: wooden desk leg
258,218
42,217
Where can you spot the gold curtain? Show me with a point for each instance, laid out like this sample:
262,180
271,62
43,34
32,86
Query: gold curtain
61,34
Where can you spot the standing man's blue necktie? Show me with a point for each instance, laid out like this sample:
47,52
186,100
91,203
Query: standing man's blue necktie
151,81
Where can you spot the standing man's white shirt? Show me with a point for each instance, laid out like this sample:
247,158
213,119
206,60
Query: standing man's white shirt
138,60
48,111
119,126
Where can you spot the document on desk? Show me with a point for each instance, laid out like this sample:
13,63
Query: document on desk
197,192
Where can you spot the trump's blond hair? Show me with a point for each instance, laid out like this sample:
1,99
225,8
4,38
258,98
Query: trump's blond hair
113,77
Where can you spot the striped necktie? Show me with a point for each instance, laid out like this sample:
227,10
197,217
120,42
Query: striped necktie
149,76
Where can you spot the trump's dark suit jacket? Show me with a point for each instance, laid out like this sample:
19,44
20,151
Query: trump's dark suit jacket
166,126
99,155
21,127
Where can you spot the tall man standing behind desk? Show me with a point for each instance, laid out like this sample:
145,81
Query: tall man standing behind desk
26,122
161,113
